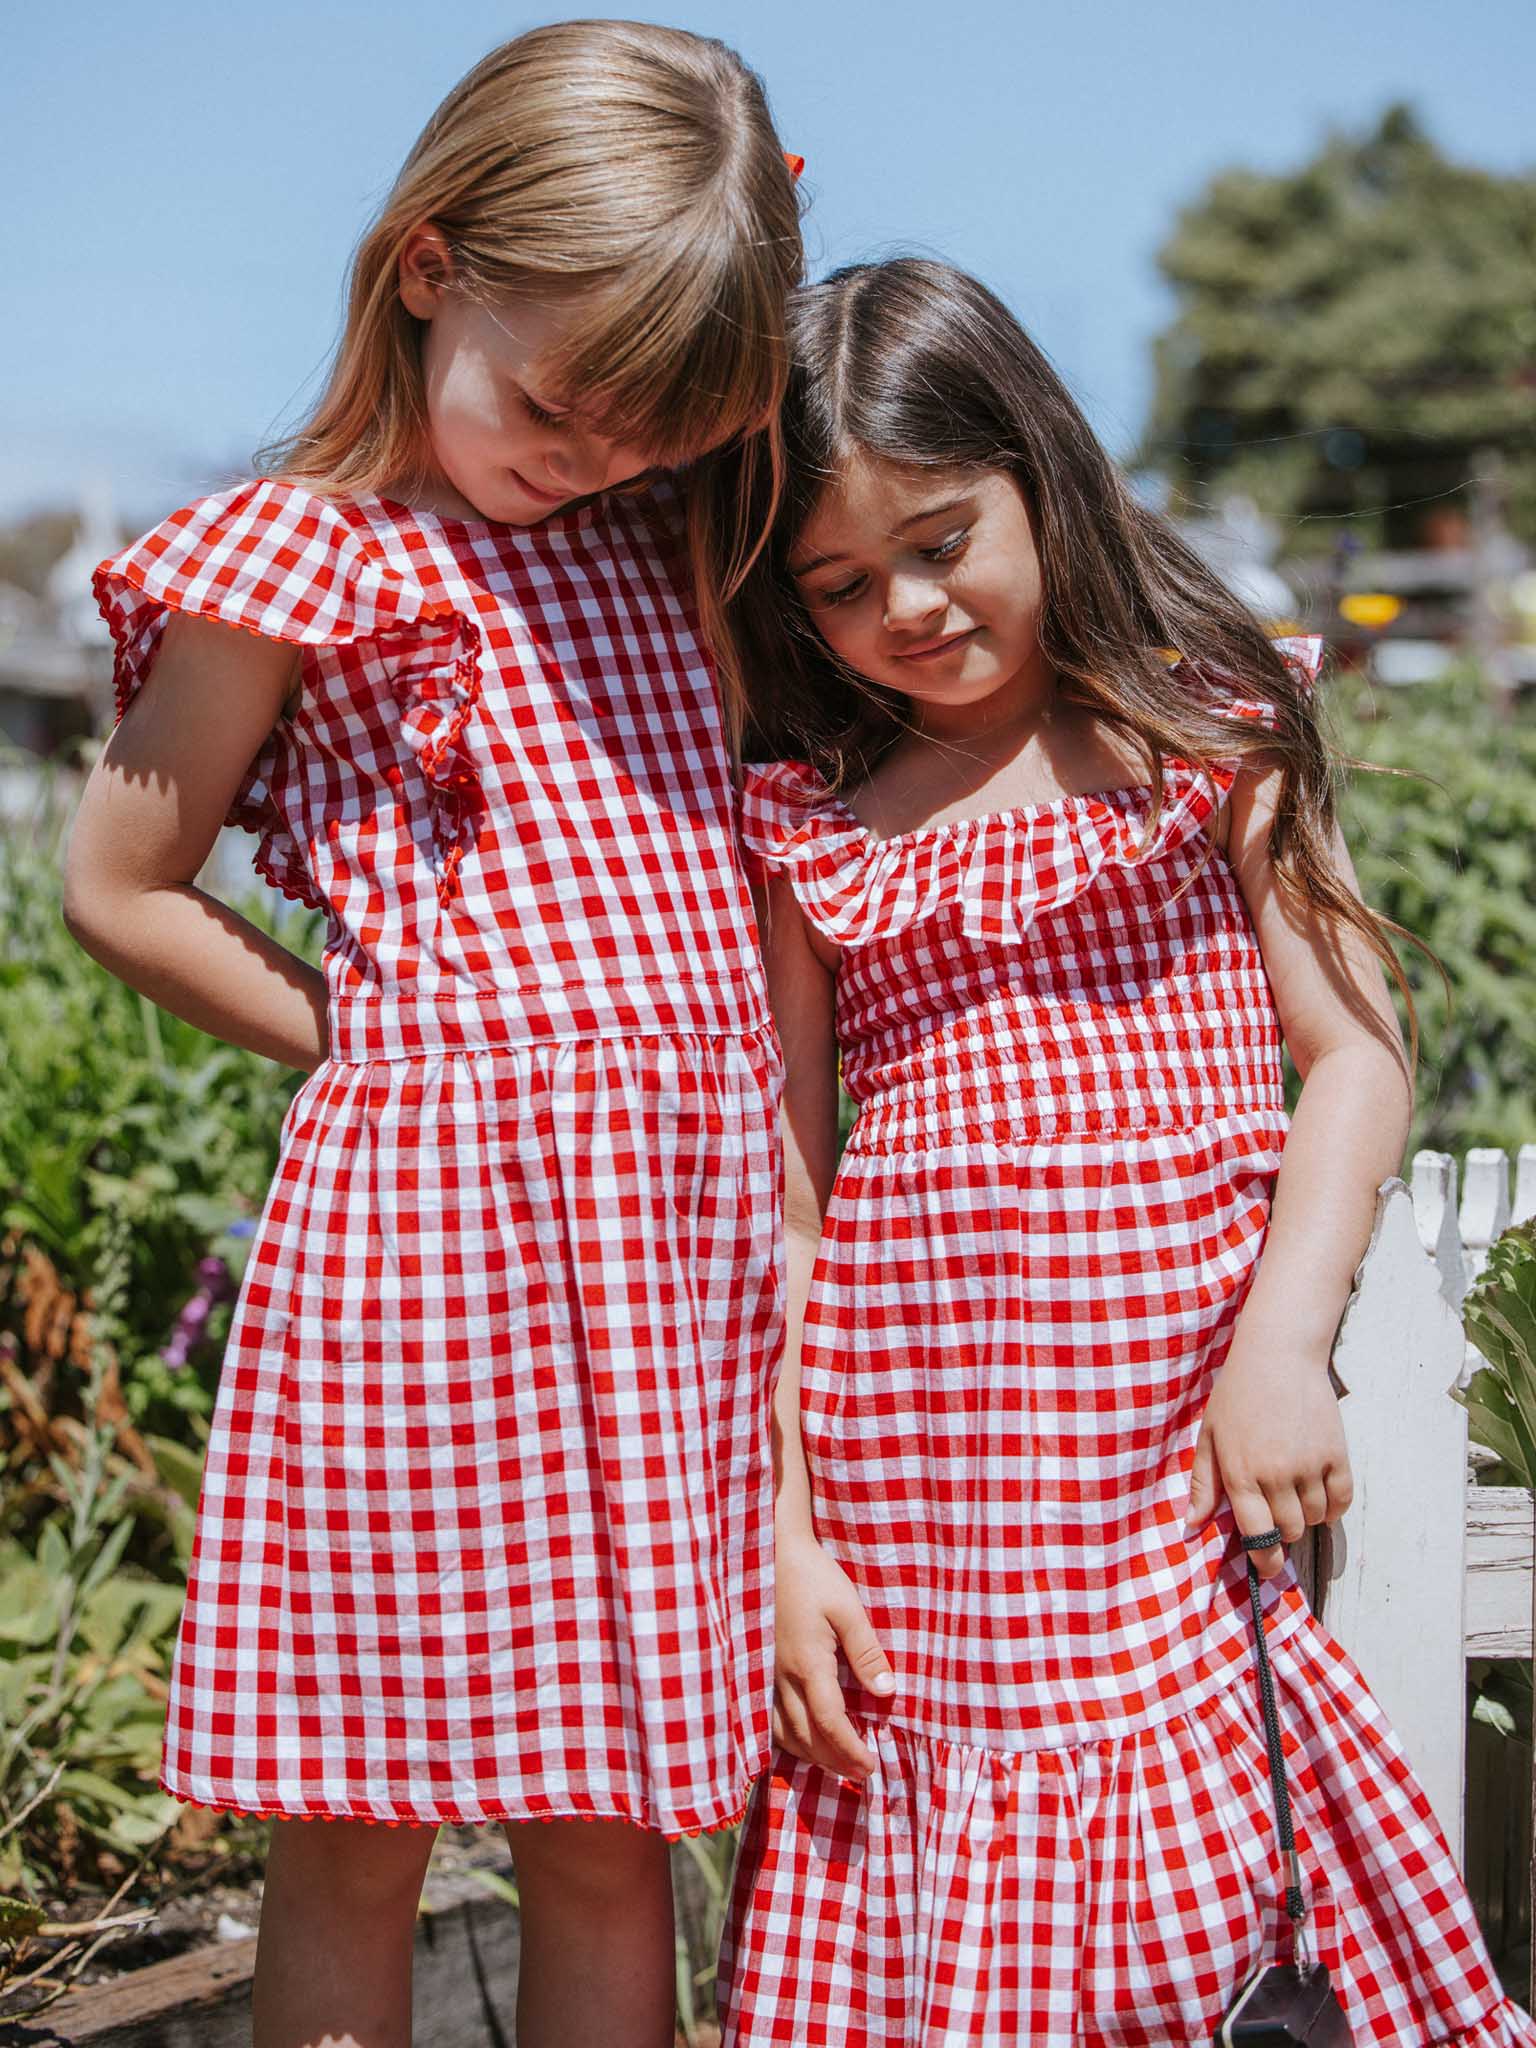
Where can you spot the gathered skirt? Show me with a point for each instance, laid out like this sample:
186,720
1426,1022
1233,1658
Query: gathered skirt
1069,1838
1110,1895
485,1524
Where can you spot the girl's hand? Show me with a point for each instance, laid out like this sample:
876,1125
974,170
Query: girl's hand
816,1610
1272,1440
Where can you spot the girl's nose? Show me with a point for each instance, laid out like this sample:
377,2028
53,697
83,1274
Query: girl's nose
579,463
912,600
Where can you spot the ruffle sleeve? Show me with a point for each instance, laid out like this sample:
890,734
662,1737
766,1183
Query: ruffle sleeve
1303,656
279,562
1004,870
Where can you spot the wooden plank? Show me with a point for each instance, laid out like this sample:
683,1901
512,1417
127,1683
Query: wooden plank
1397,1588
1500,1569
465,1987
1499,1847
201,1997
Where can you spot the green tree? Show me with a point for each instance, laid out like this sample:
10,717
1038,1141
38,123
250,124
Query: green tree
1351,334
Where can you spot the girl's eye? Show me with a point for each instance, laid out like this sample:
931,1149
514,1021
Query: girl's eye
841,594
947,550
539,415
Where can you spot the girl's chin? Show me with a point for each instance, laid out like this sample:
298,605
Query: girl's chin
971,681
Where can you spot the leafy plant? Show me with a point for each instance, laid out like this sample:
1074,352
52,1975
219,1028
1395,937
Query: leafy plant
1500,1400
84,1650
1500,1319
110,1107
134,1152
1445,845
708,1859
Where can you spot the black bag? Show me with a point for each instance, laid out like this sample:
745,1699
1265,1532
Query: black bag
1284,2003
1287,2004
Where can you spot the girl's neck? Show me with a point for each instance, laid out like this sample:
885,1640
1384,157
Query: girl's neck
999,725
434,495
1034,748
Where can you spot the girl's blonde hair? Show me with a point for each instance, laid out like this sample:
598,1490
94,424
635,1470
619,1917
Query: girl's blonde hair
638,168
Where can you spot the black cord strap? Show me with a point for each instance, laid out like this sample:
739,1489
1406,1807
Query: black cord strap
1295,1897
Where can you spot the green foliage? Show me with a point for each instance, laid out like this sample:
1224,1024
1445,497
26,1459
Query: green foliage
131,1148
118,1120
83,1663
1500,1318
710,1859
1375,303
84,1647
1500,1400
1446,847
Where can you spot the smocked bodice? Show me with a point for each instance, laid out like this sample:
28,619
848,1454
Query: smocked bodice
1081,967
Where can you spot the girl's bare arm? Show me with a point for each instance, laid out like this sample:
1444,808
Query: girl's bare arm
1272,1438
818,1608
149,817
801,987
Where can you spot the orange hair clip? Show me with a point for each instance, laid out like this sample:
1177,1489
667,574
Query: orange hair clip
796,163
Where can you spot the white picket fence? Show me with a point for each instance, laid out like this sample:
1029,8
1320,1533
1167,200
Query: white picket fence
1428,1568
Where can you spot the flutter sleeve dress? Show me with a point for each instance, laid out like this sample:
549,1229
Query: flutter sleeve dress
1064,1053
484,1531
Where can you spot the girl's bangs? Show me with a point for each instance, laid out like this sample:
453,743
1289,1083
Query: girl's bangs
679,363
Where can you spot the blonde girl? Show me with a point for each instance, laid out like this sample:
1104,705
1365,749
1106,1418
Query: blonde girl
485,1525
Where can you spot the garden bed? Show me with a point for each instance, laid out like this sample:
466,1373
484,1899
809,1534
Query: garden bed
465,1976
183,1979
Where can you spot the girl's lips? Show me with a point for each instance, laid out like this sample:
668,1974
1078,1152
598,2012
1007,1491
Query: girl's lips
935,648
543,497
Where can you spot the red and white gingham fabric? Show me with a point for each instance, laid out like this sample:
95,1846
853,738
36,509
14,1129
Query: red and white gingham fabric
1056,1024
485,1525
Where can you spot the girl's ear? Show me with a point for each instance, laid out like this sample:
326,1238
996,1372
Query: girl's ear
425,270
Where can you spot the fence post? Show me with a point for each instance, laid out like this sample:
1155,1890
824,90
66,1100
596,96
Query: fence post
1438,1220
1484,1204
1397,1588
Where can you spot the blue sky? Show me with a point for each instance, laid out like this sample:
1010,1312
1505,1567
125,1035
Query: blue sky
184,184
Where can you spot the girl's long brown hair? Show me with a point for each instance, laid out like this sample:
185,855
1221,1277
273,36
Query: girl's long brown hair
635,170
915,362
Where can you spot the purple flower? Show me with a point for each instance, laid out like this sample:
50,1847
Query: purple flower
215,1284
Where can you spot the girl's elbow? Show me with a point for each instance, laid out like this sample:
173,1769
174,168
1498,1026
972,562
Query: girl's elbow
90,907
82,915
77,899
1369,1066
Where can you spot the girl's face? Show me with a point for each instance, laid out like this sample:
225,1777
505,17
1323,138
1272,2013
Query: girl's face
505,444
927,580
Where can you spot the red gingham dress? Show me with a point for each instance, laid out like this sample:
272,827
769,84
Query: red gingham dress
485,1527
1067,1068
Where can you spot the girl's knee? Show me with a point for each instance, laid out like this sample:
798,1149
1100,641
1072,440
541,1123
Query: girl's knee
345,1864
596,1859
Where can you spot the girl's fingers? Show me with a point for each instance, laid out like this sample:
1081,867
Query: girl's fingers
866,1660
1204,1488
1255,1515
1340,1485
1313,1496
834,1734
1286,1512
789,1705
